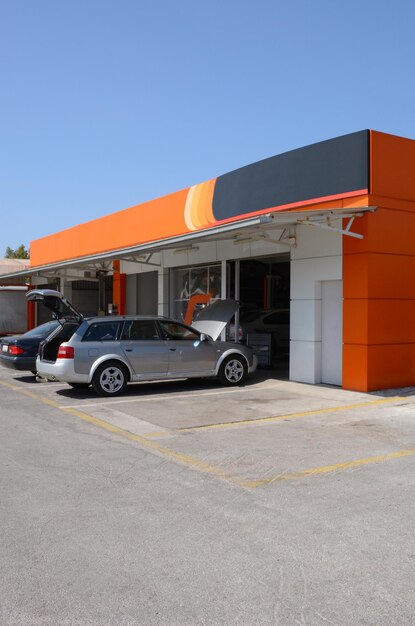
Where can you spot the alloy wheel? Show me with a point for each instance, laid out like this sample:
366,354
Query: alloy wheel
234,370
111,379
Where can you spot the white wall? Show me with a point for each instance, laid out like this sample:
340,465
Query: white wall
317,257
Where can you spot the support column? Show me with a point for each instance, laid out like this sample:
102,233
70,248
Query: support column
163,292
237,296
224,290
31,311
66,288
118,288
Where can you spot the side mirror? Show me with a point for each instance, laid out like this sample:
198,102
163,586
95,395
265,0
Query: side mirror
204,337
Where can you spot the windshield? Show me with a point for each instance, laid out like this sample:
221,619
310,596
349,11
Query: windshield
43,330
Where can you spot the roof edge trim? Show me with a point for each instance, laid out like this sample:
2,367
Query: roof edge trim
278,219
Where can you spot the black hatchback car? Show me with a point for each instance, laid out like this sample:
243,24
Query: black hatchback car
19,352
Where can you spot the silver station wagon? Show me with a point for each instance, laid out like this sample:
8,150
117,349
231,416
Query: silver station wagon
109,352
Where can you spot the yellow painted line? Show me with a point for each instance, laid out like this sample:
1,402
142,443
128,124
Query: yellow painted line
184,459
280,418
327,469
214,470
29,394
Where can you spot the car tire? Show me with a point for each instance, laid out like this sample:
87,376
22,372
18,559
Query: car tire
233,370
110,379
34,372
79,385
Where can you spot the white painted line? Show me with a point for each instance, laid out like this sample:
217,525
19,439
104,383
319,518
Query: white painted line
27,385
198,394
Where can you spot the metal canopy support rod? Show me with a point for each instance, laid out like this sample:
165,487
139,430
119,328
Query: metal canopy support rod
142,259
327,225
333,229
349,223
288,238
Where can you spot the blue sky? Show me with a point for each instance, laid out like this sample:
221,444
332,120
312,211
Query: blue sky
108,104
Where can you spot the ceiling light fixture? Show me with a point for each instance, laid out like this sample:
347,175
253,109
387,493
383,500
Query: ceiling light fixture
184,250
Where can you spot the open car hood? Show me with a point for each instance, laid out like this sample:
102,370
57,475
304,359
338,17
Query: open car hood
213,319
55,302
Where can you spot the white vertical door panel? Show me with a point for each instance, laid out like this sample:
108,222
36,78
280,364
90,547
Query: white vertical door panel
331,331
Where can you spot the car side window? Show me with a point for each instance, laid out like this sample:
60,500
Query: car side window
140,330
172,330
102,331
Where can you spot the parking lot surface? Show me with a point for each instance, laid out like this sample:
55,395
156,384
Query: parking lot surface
272,503
268,430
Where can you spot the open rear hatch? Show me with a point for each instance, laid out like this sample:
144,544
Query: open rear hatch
56,302
62,310
212,320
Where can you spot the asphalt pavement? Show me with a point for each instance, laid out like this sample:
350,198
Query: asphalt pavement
190,504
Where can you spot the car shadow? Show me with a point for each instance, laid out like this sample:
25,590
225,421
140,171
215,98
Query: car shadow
27,378
158,388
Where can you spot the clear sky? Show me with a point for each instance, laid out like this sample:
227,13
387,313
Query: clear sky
105,104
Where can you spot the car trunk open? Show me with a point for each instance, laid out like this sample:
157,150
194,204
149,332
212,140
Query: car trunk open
48,350
62,310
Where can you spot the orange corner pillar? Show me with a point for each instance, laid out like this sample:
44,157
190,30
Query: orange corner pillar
119,288
378,275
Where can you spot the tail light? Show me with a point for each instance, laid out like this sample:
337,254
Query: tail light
15,350
66,352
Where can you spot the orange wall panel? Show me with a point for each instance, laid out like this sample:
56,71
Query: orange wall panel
393,232
392,203
119,292
378,271
392,166
391,366
378,367
372,322
355,367
355,275
163,217
391,276
353,202
355,321
391,321
378,276
385,230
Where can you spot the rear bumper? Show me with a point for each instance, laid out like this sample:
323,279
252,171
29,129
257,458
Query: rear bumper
18,363
62,370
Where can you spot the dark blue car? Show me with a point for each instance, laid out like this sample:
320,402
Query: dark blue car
19,352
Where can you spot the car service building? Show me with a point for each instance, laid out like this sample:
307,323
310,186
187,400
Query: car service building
323,235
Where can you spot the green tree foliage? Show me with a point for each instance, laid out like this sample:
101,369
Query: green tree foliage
19,253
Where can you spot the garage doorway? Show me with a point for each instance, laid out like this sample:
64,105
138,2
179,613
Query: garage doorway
264,318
